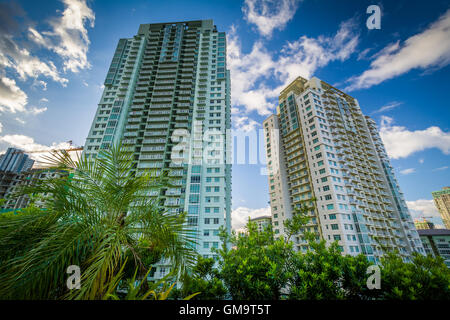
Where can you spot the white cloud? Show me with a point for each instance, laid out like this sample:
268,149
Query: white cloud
363,54
43,100
441,168
407,171
20,120
423,208
421,160
36,37
269,15
25,64
428,49
389,106
69,36
244,123
36,110
12,98
401,142
250,72
246,69
41,83
240,215
1,127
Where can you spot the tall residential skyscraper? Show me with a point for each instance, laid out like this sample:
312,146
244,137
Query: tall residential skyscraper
442,202
320,145
167,97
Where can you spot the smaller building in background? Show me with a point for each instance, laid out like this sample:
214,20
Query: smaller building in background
27,178
437,243
423,224
262,222
15,160
12,163
442,202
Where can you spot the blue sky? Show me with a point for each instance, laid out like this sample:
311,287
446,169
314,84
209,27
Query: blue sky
54,56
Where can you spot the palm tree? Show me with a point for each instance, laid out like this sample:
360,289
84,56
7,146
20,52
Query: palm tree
97,216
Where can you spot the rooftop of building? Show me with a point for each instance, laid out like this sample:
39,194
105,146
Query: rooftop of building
207,23
300,84
445,190
434,232
261,218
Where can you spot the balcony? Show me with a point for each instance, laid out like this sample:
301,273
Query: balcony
151,157
149,165
153,141
155,133
159,119
165,99
139,101
129,141
132,127
152,149
136,113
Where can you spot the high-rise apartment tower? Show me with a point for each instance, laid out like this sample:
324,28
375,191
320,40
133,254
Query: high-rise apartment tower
167,97
320,145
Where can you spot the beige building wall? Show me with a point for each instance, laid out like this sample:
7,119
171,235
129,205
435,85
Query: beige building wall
328,150
442,202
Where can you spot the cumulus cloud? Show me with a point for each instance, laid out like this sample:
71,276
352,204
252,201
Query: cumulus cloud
18,58
240,215
428,49
423,208
68,38
401,142
244,123
12,98
269,15
41,83
251,71
69,35
407,171
24,63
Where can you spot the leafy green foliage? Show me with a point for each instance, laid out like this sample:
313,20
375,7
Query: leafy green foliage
259,267
299,220
425,278
255,268
203,279
96,217
323,273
